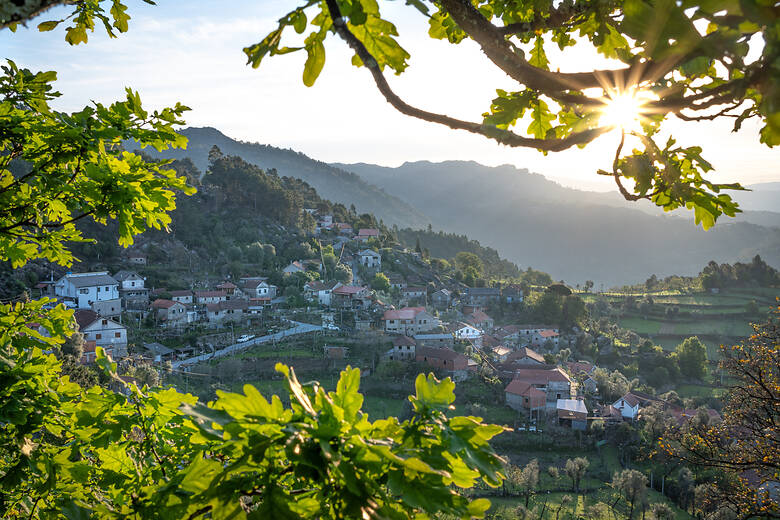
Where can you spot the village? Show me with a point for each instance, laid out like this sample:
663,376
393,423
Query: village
431,322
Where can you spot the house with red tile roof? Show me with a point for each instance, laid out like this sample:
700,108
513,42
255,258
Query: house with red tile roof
228,310
294,267
553,381
454,363
185,297
409,321
105,332
365,234
480,320
524,357
169,312
351,297
524,396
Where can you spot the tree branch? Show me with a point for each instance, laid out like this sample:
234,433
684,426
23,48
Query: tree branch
502,136
28,10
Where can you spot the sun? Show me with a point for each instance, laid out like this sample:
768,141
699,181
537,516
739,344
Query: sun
625,110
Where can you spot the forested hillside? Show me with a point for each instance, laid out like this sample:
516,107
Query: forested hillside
330,182
573,235
447,245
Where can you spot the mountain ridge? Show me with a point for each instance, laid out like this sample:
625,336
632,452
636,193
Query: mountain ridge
572,234
331,183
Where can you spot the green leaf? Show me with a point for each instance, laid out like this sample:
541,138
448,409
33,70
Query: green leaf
48,26
315,59
538,56
75,35
541,121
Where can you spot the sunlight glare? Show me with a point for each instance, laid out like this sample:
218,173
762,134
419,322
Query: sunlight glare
624,110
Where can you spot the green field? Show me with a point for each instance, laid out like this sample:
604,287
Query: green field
641,325
698,391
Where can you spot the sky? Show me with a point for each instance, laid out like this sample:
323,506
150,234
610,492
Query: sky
192,52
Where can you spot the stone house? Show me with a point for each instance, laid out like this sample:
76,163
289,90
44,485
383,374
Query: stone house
105,332
435,340
482,295
206,297
170,312
524,396
409,320
441,299
370,259
453,363
404,349
228,310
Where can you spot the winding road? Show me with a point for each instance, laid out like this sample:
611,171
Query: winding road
298,328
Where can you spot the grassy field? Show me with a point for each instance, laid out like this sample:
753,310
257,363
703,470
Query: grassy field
698,391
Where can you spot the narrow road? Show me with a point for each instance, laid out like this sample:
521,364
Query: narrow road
298,328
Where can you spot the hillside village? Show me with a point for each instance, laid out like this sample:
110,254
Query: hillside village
558,366
427,319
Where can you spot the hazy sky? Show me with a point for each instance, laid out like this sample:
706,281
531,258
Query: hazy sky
191,52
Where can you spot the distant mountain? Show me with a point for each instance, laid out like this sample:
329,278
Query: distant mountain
330,182
574,235
763,197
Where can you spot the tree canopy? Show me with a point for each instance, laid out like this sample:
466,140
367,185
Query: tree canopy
690,60
136,451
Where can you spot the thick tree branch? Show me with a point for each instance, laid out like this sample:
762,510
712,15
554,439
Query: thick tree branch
502,136
502,53
21,12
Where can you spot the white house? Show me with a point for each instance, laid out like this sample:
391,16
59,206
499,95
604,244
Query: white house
370,259
628,406
258,288
320,292
105,332
466,331
131,288
630,403
98,291
129,280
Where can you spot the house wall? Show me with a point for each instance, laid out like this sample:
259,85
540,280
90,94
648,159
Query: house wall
107,334
108,308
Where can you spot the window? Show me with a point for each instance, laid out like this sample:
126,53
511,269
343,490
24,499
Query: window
557,396
117,334
83,291
108,289
104,322
132,284
98,336
98,289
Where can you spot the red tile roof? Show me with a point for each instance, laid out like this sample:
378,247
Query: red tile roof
210,294
403,340
348,290
369,232
541,376
548,333
407,313
525,352
163,304
525,389
85,317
